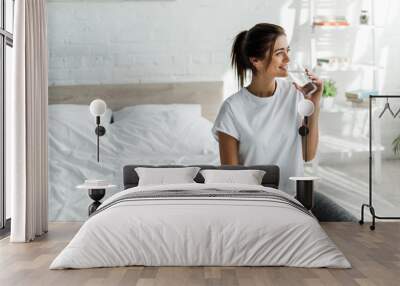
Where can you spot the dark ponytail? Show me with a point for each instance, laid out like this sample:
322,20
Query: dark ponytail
253,43
238,60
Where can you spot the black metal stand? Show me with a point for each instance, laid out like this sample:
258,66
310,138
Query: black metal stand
304,193
370,205
100,131
96,195
303,131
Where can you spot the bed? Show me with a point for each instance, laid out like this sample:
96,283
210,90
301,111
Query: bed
199,224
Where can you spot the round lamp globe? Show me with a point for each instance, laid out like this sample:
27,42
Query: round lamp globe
97,107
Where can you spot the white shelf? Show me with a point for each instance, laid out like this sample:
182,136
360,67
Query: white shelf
346,28
375,27
331,144
350,68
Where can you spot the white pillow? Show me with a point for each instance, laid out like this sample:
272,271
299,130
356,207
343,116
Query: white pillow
169,129
144,110
163,176
77,114
248,177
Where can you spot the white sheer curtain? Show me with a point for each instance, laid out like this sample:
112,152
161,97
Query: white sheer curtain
27,123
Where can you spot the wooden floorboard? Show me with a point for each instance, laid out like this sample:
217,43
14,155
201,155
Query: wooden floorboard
374,255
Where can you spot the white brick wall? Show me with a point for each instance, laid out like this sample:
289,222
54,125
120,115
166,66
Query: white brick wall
148,41
187,40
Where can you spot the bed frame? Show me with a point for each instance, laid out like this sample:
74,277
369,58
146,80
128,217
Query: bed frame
270,179
325,208
208,94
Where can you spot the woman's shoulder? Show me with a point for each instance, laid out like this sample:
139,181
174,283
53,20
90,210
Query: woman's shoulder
235,98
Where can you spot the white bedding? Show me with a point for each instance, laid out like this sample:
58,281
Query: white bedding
142,135
200,231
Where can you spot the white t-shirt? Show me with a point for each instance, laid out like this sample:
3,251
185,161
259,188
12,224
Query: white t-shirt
267,130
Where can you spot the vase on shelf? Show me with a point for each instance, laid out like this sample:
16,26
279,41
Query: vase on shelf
328,94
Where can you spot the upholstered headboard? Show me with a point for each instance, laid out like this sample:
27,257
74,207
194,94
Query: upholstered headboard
208,94
270,179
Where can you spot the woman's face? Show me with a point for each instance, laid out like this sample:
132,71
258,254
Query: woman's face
279,61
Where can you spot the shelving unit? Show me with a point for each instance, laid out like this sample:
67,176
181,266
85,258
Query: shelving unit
351,27
364,69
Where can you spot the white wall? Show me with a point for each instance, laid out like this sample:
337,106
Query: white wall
150,41
188,40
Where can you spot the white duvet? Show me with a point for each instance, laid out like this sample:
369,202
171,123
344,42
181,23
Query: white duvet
200,231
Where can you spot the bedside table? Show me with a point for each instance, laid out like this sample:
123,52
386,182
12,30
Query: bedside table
96,190
305,190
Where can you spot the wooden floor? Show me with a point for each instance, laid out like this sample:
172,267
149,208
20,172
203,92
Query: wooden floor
375,257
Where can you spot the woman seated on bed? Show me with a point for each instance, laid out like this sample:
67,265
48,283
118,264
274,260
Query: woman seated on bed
259,124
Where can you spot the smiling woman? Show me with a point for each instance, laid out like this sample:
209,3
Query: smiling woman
259,124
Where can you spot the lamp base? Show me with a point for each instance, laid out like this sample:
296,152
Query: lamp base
304,130
100,130
96,195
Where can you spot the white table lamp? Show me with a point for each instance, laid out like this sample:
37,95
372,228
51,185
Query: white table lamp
98,108
305,107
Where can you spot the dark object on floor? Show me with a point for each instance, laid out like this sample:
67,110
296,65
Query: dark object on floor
325,209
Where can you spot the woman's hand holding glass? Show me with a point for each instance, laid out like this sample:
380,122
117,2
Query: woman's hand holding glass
315,94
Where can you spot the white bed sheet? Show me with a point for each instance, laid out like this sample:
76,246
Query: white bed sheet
206,231
162,138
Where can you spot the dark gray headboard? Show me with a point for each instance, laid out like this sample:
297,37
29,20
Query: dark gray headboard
270,179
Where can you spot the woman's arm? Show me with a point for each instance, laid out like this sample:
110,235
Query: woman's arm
228,149
313,135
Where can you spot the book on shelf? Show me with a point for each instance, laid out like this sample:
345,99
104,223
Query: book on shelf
359,95
333,63
330,21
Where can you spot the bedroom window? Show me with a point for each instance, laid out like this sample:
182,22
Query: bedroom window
6,44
